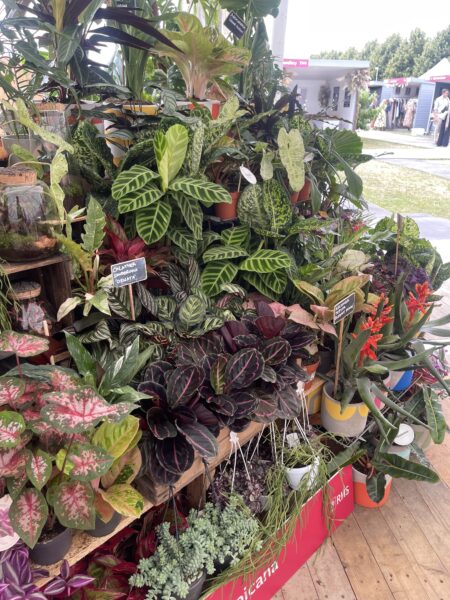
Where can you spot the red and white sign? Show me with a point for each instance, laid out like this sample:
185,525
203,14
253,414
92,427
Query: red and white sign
398,80
297,63
440,78
310,531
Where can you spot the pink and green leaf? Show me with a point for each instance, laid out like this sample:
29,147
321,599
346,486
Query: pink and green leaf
16,484
74,505
84,462
74,411
8,537
62,381
11,389
22,344
28,514
39,468
12,425
12,462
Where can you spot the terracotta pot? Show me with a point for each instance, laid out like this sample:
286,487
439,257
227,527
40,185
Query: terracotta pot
102,528
311,370
305,192
360,490
227,212
295,196
350,422
51,551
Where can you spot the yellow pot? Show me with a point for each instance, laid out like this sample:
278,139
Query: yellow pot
350,422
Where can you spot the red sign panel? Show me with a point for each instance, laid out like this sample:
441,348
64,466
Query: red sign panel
398,80
310,531
298,63
440,78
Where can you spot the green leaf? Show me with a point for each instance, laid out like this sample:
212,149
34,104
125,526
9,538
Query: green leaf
292,153
204,191
266,261
86,364
131,181
184,239
192,214
236,236
99,333
435,416
216,274
254,279
119,302
396,466
162,158
124,499
117,438
277,281
222,253
152,222
375,486
94,227
177,144
12,425
28,157
309,290
68,306
140,199
192,311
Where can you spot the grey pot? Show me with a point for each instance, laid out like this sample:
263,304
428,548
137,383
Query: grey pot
101,528
51,551
350,423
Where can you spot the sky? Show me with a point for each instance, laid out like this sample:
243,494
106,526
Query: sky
315,26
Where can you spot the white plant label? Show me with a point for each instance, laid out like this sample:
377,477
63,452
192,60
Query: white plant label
247,175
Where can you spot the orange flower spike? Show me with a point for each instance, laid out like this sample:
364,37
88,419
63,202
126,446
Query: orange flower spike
368,350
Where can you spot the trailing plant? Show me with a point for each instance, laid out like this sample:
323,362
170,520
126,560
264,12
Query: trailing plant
18,576
65,585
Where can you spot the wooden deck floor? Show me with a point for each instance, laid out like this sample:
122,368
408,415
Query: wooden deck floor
398,552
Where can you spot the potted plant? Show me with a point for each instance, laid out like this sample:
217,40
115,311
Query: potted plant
17,576
302,461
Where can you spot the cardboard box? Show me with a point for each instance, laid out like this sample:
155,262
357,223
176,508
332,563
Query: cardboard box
310,531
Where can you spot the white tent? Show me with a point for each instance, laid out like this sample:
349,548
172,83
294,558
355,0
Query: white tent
440,72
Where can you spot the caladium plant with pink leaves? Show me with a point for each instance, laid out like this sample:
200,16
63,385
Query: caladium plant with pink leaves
8,537
22,344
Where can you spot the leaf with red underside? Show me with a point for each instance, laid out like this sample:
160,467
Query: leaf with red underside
84,462
12,425
11,389
28,514
74,505
174,454
182,384
12,462
217,373
269,327
76,410
39,468
22,344
159,424
62,381
200,438
243,369
275,351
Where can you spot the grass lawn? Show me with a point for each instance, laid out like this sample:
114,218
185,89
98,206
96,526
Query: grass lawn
399,189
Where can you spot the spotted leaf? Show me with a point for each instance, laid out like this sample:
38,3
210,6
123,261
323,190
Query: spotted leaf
62,381
39,468
74,411
84,462
12,426
28,514
124,499
12,462
11,389
22,344
74,505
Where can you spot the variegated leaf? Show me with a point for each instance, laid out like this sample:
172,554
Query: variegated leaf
132,180
236,236
12,462
77,410
10,390
202,190
266,261
124,470
192,213
84,462
39,468
117,438
140,199
16,484
216,274
22,344
152,222
74,505
12,425
62,381
184,239
222,253
124,499
8,537
28,514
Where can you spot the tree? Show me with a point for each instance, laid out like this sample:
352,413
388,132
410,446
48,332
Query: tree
403,61
434,50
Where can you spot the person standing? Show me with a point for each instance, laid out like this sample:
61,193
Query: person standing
440,111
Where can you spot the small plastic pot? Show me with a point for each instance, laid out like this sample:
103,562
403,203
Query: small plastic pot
195,590
360,490
51,551
351,422
401,446
101,528
399,381
227,212
311,370
295,475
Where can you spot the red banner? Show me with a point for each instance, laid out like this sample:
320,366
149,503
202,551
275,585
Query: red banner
298,63
310,532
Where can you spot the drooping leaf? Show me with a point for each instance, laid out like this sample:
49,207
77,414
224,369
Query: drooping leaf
243,368
124,499
152,222
22,344
11,389
245,403
435,416
94,227
200,438
289,406
376,486
159,424
131,181
266,261
396,466
84,462
12,425
28,514
216,274
275,351
175,454
39,468
74,505
182,384
80,409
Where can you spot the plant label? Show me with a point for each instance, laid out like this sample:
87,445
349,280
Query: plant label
344,308
248,175
129,272
235,24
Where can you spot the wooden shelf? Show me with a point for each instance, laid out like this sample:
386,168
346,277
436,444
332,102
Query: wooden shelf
83,544
11,268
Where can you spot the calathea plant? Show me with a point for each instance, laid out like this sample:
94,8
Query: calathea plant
167,202
46,410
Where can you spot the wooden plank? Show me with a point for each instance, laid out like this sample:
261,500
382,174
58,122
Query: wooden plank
328,575
439,455
83,544
391,559
300,586
424,560
359,563
437,496
11,268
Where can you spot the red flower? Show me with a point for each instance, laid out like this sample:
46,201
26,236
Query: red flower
418,303
368,350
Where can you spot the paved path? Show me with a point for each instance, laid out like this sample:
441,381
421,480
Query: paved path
399,137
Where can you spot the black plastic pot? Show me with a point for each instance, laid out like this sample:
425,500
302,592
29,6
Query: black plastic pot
326,361
221,567
196,588
51,551
102,528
